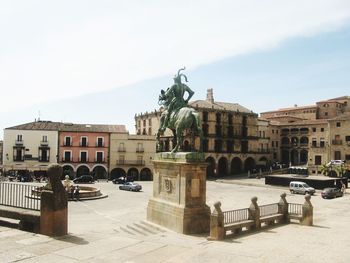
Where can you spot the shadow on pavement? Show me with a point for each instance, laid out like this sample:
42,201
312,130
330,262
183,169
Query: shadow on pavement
72,239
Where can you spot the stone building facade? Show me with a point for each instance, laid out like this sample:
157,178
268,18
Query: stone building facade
30,148
313,135
131,155
234,141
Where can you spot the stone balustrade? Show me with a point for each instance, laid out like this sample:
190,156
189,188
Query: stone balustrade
254,217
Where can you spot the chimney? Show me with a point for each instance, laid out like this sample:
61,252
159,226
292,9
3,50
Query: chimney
210,96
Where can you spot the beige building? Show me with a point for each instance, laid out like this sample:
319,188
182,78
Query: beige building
1,147
131,155
235,141
30,148
313,135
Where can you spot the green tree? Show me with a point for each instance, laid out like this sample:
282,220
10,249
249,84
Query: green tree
324,169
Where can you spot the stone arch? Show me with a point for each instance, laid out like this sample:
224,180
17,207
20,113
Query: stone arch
222,166
82,170
133,173
117,172
303,156
249,164
146,174
67,169
99,172
211,166
236,166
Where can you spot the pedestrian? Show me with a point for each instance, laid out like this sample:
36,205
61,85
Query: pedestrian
77,193
72,192
343,188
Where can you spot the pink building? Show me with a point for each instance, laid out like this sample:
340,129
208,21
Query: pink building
84,148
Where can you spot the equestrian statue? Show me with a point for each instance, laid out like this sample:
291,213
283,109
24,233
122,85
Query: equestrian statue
177,115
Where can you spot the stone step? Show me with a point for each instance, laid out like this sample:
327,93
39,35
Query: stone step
141,228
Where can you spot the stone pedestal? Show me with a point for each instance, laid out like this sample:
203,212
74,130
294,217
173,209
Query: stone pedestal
179,193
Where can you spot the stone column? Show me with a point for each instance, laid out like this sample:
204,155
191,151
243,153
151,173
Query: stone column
217,231
308,212
254,212
54,204
283,208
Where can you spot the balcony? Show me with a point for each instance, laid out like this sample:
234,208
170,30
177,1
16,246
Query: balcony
130,162
44,143
100,160
140,150
121,149
18,158
18,143
337,142
83,144
67,160
100,145
44,159
67,144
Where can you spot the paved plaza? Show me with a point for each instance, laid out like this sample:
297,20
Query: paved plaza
115,229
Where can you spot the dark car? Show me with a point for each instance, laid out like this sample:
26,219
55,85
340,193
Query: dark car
84,179
130,186
331,192
119,180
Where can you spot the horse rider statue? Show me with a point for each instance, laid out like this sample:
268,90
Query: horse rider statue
177,116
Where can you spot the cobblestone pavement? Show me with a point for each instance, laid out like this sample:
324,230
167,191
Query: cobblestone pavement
115,229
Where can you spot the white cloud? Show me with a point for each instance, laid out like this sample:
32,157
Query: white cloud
74,47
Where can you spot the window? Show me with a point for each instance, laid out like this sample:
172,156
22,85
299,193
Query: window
83,141
326,114
318,159
322,143
218,117
276,144
99,157
347,157
19,137
263,134
314,142
314,129
230,119
67,156
205,116
347,138
149,122
44,139
338,124
121,159
140,160
229,146
337,155
273,144
218,146
322,129
273,131
83,156
144,123
149,131
139,147
67,141
100,142
44,155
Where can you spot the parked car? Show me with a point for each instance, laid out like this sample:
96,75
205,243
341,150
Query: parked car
331,192
119,180
130,186
335,162
296,187
84,179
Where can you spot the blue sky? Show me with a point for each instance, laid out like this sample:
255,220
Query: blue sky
91,67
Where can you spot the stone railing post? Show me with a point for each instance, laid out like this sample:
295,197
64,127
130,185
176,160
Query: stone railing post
283,208
217,231
308,212
254,212
54,204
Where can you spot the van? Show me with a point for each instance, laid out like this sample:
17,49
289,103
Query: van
296,187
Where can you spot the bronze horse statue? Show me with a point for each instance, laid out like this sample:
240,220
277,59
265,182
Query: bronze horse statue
179,119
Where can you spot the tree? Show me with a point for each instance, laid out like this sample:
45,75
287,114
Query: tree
324,169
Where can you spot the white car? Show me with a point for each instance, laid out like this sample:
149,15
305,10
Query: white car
296,187
335,162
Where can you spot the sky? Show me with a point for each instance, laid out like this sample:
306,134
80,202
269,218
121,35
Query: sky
88,61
